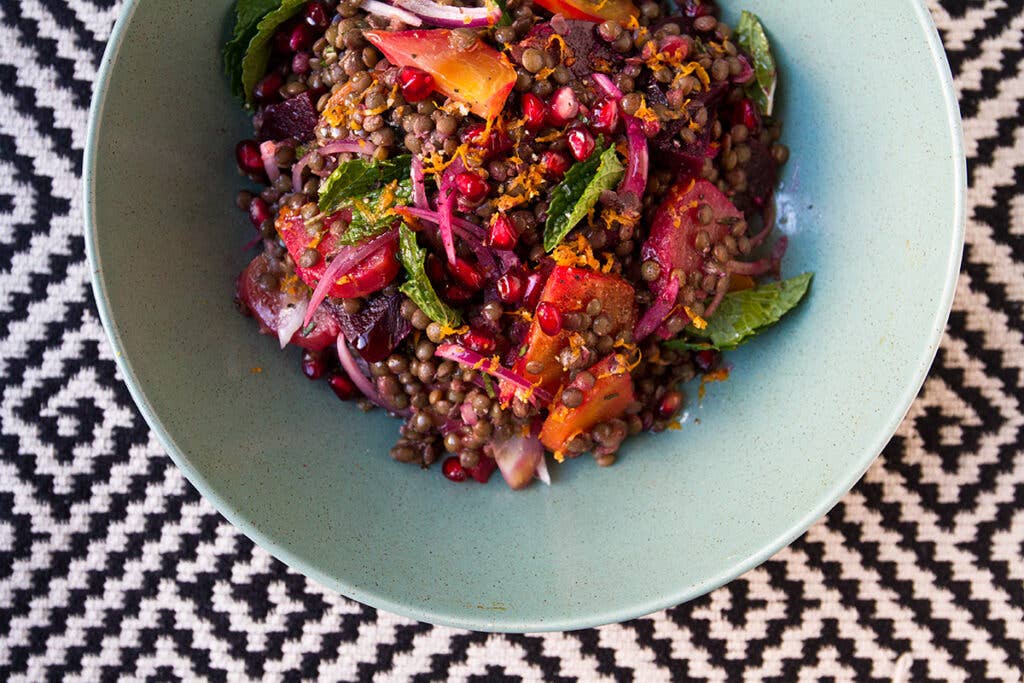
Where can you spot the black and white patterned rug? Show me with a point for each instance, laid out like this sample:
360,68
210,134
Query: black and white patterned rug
112,566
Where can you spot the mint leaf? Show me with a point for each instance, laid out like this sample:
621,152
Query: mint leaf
742,315
247,15
417,287
752,38
578,192
357,177
257,53
371,214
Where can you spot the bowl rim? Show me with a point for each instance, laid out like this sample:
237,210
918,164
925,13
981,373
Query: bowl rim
839,488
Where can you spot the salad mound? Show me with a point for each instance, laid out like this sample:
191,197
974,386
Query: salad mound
518,227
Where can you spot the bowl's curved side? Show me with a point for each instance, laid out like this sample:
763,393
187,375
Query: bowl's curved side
696,509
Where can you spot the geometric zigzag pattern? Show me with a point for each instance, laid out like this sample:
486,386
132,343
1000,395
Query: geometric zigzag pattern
112,566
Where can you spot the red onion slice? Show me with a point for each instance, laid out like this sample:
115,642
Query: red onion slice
519,459
637,164
475,361
419,187
336,147
659,310
344,261
362,382
268,150
383,9
289,321
448,16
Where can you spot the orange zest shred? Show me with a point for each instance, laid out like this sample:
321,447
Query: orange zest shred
449,331
719,375
550,136
698,322
581,255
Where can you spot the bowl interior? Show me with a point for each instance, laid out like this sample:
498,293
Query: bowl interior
872,202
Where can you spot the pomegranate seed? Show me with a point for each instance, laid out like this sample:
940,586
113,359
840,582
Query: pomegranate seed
435,271
669,404
564,106
267,87
316,14
471,186
453,469
314,364
281,39
300,62
581,143
510,288
247,154
555,163
531,293
300,39
534,111
549,318
416,84
695,8
474,134
503,232
706,360
675,46
457,294
466,273
483,470
342,386
479,341
746,113
604,117
259,211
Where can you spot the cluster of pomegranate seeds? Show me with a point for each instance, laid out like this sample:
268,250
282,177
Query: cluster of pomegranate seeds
416,84
454,471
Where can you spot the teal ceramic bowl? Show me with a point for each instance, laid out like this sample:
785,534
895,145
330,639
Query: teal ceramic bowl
873,202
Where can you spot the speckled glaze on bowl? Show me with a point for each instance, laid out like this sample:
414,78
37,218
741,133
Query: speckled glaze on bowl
873,202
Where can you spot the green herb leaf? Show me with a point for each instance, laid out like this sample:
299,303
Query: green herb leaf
358,177
578,192
247,15
752,38
742,315
257,53
417,287
370,215
506,16
489,386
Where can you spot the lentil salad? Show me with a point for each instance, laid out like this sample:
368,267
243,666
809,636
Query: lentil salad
519,227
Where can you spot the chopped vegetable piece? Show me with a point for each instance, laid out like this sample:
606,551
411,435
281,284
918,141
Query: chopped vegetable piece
621,11
479,76
605,400
570,290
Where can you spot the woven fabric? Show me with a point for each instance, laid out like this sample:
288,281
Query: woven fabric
111,565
